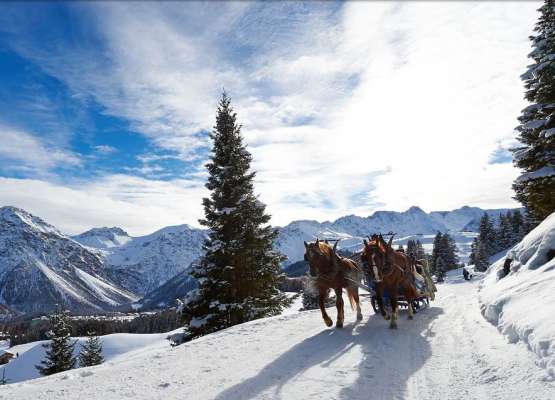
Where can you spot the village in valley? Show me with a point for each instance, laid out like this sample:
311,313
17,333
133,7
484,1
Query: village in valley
277,200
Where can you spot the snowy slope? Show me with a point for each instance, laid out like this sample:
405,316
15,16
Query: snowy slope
522,304
145,263
103,238
448,352
114,347
40,267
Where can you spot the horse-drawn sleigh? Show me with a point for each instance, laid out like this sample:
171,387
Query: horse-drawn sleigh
391,275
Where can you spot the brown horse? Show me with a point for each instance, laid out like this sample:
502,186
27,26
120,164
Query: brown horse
393,271
333,272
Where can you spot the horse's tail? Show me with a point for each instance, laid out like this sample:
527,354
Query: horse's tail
351,297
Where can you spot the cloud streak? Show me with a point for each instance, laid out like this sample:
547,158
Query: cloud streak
347,108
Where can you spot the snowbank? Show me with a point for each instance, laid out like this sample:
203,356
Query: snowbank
114,347
522,304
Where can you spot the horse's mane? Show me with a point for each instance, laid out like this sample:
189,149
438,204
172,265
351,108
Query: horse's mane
325,248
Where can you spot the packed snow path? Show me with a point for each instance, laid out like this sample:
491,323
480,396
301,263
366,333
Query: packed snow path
448,352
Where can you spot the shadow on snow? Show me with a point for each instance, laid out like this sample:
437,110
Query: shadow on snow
389,358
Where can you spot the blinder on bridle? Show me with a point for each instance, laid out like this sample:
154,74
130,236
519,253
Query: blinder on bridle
371,248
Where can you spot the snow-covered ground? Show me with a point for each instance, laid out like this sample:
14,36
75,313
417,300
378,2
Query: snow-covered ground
522,304
448,352
115,346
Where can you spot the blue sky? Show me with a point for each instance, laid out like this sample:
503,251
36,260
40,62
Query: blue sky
347,107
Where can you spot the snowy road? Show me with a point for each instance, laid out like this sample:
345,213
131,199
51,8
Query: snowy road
448,352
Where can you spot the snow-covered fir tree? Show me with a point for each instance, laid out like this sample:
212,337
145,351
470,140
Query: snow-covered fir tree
59,350
439,269
444,254
505,234
420,253
436,252
535,188
91,352
411,248
449,251
239,275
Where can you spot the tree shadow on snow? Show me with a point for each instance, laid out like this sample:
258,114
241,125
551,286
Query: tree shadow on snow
389,358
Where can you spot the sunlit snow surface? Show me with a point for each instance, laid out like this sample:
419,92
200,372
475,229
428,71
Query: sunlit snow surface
522,304
449,351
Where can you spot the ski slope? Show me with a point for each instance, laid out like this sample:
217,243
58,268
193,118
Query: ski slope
448,352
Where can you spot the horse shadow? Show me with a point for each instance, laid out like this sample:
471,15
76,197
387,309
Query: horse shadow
388,359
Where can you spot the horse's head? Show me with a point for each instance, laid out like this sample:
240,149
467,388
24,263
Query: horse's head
320,257
375,254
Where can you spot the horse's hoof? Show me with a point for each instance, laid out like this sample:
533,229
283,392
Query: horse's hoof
359,317
386,317
411,317
393,326
339,324
328,322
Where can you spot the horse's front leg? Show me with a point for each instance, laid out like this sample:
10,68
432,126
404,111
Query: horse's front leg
379,298
357,302
393,299
340,307
322,302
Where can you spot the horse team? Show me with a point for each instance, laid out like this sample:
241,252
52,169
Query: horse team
392,273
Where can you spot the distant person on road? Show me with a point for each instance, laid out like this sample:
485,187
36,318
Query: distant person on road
466,274
507,266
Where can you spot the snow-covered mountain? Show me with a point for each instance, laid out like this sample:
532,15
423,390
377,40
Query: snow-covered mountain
104,267
142,264
103,238
411,224
41,267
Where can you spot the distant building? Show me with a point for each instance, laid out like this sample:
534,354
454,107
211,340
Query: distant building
5,356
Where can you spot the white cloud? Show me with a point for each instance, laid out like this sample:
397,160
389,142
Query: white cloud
31,153
105,149
379,105
138,205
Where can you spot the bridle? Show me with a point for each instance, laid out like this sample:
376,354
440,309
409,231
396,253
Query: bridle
334,266
386,269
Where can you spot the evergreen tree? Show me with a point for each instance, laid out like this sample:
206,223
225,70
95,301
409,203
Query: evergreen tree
505,236
436,252
420,253
535,188
448,252
481,259
440,269
239,275
473,252
91,352
59,351
412,249
486,235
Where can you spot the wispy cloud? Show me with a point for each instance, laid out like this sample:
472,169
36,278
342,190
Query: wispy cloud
347,107
137,204
105,149
32,154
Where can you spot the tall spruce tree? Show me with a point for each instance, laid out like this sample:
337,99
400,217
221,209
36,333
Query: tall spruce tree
412,249
436,252
486,235
59,351
420,253
449,252
504,232
91,352
239,275
535,188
